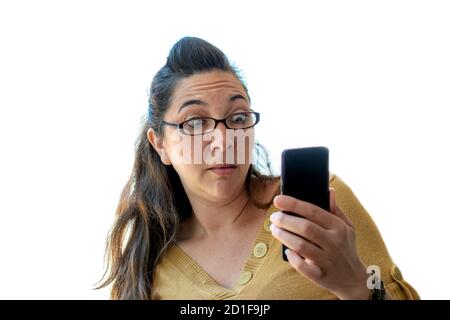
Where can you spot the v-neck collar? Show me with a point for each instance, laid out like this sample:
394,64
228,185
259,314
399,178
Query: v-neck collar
192,270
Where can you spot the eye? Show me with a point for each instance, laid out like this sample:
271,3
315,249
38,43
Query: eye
239,118
195,123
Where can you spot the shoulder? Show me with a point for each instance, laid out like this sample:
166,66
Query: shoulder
266,190
344,192
334,180
347,200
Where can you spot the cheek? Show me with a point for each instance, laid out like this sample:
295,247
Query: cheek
243,148
188,172
250,144
191,176
197,181
180,150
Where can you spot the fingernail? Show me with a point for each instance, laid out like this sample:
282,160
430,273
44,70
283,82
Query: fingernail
274,216
280,198
272,228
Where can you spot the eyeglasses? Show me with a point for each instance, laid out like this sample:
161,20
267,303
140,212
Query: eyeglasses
201,125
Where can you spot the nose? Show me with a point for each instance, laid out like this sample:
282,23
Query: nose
220,140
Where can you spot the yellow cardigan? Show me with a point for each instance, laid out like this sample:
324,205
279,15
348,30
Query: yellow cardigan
267,276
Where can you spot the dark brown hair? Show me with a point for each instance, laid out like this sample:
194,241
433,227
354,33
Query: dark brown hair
153,201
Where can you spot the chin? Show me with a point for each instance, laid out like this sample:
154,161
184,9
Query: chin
224,187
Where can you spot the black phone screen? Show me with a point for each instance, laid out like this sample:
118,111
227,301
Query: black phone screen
305,176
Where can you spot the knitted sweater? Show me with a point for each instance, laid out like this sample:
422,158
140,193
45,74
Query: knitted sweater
267,276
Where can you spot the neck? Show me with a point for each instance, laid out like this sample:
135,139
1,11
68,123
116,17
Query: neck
213,220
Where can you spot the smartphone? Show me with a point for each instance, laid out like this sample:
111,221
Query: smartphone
305,176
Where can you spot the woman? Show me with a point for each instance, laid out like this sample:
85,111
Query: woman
189,229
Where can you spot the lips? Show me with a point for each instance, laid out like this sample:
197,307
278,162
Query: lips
222,166
223,169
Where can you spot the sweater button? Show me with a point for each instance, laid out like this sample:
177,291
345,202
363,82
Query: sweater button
260,250
267,224
245,277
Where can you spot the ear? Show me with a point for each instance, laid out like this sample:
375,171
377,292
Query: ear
158,144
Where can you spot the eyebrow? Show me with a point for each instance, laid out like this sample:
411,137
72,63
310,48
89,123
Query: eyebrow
203,103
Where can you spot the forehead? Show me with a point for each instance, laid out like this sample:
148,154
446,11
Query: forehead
207,84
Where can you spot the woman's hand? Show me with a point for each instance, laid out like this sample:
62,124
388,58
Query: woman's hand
322,246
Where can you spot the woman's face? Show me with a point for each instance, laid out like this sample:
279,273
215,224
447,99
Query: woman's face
217,94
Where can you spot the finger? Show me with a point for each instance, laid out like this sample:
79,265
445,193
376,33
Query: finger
333,200
343,216
308,270
334,208
302,246
306,210
300,226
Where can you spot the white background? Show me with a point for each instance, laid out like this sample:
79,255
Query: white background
368,79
